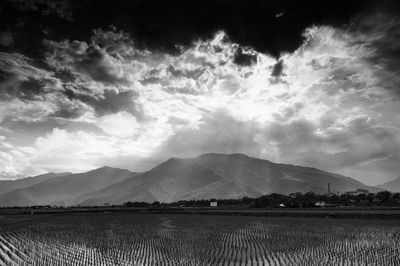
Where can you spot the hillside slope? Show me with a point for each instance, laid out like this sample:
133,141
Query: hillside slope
63,190
10,185
208,176
220,176
393,185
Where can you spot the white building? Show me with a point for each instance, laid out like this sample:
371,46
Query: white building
320,204
213,204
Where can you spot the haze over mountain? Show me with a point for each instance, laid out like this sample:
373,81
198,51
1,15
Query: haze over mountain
60,190
208,176
10,185
220,176
393,185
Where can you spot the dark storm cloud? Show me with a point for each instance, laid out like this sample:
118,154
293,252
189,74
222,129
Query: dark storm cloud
110,102
96,67
72,59
193,74
74,84
68,112
30,88
243,58
6,38
60,8
162,25
19,78
63,63
27,22
383,31
278,68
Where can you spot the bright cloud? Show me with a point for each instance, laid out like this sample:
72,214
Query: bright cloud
120,124
325,109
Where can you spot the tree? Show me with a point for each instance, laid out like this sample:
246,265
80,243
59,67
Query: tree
156,204
384,196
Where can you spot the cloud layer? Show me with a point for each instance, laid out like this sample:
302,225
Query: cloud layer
331,102
271,27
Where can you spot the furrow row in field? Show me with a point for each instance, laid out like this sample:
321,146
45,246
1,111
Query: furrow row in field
178,240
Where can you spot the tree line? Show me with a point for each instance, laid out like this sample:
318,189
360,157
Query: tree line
294,200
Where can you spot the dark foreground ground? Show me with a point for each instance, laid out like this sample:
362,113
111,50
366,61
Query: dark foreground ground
391,213
171,239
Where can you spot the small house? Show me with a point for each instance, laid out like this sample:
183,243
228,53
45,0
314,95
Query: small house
213,204
320,204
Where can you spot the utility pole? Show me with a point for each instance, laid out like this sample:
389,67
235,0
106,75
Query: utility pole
329,189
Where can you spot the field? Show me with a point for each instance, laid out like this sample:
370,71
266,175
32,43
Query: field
167,239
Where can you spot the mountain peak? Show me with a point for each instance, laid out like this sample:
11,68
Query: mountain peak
234,156
172,159
106,168
210,175
54,174
212,154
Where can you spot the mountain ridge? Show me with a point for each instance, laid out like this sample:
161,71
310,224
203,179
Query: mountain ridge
209,175
393,185
63,189
240,175
10,185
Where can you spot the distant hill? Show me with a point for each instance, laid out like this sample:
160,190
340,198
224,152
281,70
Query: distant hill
393,185
10,185
220,176
64,189
208,176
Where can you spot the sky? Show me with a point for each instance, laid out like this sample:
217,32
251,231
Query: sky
130,84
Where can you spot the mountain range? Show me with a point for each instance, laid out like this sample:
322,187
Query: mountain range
393,185
10,185
207,176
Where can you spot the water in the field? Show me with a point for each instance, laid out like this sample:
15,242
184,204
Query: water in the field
105,239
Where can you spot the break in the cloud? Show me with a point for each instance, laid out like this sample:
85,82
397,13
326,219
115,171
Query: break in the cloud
331,103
